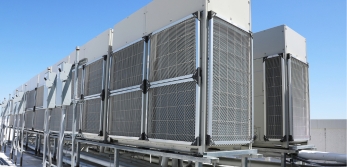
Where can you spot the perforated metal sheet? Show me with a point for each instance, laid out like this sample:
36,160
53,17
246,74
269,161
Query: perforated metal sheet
231,98
125,114
274,98
172,112
127,66
29,119
93,78
30,99
91,116
54,124
173,51
79,88
39,119
300,91
39,97
69,117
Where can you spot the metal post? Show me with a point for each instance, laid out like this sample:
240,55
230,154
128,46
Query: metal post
36,143
204,78
164,161
78,151
283,160
116,158
46,140
244,161
198,164
74,109
145,68
61,137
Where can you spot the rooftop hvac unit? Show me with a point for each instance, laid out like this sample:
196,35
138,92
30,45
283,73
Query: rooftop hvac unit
156,81
281,87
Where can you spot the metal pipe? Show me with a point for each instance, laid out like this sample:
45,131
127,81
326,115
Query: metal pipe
204,78
326,156
116,158
61,137
74,110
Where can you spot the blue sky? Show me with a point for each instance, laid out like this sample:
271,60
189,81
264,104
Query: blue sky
36,35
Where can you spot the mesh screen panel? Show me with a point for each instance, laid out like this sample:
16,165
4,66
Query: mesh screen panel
274,108
91,116
173,51
39,119
30,99
125,114
79,83
172,112
39,97
231,98
127,66
69,117
299,83
54,123
93,78
29,119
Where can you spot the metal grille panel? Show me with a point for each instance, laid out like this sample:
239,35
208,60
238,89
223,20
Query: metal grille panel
172,112
300,91
79,85
69,117
125,115
274,98
39,97
29,119
54,124
93,80
231,97
127,66
30,99
91,116
173,51
39,119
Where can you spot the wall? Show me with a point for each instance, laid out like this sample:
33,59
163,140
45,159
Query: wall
329,135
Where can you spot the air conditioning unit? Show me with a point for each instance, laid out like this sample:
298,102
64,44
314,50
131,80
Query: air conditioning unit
281,88
155,88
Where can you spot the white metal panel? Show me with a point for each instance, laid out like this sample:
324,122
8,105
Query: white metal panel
237,12
259,117
96,47
129,29
161,13
296,44
269,42
32,83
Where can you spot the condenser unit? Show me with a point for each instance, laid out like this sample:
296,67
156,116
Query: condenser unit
281,86
155,76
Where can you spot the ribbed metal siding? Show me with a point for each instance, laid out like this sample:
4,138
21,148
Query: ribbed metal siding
173,51
30,99
127,66
274,98
231,110
39,119
91,116
125,114
172,112
69,119
29,119
299,87
93,78
54,124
